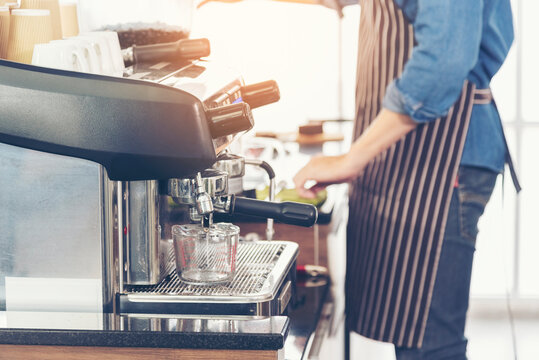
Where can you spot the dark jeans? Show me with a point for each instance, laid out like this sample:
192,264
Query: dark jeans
444,334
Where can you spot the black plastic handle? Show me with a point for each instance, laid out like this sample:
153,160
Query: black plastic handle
229,119
260,94
291,213
187,49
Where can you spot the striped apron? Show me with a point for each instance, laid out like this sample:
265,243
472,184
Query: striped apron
399,206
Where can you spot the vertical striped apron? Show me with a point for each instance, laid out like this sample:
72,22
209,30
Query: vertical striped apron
399,206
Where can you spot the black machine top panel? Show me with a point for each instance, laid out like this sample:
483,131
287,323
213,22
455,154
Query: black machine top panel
137,130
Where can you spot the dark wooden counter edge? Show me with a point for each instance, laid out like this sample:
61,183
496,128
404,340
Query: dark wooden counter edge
145,339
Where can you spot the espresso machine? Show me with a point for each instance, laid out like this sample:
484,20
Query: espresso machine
94,172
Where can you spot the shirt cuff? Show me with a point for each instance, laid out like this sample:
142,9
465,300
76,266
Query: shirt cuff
397,101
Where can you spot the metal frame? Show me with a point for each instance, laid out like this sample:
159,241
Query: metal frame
272,296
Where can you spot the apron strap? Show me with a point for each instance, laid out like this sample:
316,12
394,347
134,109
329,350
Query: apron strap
484,97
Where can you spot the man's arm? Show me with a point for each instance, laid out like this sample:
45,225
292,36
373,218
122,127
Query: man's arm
388,128
448,35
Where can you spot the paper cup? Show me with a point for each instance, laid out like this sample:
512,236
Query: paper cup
54,7
26,29
70,19
4,31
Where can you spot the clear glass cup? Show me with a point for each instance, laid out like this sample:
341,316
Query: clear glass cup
206,256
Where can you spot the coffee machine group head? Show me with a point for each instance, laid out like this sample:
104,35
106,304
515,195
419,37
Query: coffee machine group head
207,192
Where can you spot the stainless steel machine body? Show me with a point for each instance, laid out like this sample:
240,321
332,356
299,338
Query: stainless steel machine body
145,251
57,233
71,239
61,218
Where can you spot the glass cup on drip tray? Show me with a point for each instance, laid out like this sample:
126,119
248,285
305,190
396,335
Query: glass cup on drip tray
205,256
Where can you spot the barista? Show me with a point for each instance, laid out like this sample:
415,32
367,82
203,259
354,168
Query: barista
428,148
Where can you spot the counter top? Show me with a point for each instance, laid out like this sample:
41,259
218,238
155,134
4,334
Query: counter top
109,330
233,333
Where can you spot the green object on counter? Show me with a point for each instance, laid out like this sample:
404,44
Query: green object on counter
283,195
292,195
172,203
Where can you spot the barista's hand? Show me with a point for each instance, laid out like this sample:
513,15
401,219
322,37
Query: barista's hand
324,171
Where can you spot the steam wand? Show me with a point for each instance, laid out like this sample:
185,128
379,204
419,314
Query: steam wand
270,231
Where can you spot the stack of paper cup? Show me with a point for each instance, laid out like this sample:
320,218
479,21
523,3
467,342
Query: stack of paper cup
69,17
27,28
54,7
4,31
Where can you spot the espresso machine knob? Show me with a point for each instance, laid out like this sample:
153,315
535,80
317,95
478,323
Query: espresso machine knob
186,49
229,119
260,94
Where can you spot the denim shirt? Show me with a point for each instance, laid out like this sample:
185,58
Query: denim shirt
455,40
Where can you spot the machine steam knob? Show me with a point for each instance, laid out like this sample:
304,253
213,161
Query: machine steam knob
230,119
260,94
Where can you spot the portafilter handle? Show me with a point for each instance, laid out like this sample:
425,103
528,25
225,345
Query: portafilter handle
291,213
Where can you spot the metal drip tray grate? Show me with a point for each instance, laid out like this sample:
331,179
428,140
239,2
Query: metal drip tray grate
261,268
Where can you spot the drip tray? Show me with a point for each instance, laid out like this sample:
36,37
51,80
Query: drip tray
262,286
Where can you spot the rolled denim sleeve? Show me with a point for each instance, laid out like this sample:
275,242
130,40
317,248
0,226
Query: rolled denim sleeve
448,37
